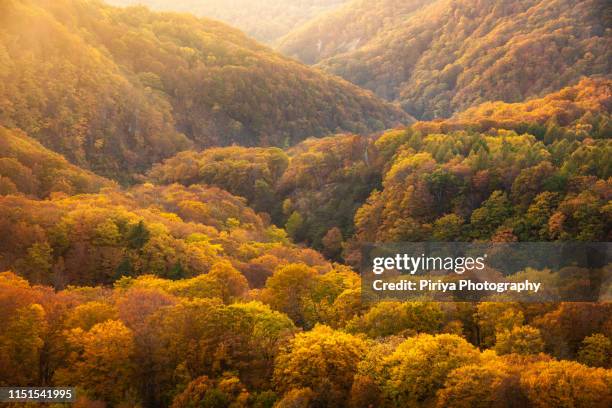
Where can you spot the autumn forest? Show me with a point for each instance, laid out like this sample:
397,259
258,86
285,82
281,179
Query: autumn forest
182,207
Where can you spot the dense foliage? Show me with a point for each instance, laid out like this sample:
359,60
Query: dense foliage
265,20
173,232
213,279
537,171
117,90
529,171
28,168
251,173
324,185
452,54
314,188
160,342
187,295
346,29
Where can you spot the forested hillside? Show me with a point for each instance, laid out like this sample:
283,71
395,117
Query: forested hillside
165,294
26,167
172,232
536,176
452,54
251,173
117,90
221,272
314,188
264,20
347,28
529,171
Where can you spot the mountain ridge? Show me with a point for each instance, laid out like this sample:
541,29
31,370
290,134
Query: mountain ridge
313,42
453,54
116,90
264,20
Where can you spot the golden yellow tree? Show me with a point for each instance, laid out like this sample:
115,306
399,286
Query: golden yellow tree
323,360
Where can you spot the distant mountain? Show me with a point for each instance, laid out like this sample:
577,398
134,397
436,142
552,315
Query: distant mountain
442,56
265,20
116,90
346,28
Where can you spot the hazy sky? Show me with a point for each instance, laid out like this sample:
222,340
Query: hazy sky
266,20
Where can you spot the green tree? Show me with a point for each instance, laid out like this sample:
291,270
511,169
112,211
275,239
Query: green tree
491,214
294,225
138,235
596,351
124,268
398,318
448,228
38,262
106,233
519,340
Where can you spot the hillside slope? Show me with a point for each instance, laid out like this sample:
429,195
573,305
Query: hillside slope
26,167
346,28
264,20
533,171
453,54
116,90
429,177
